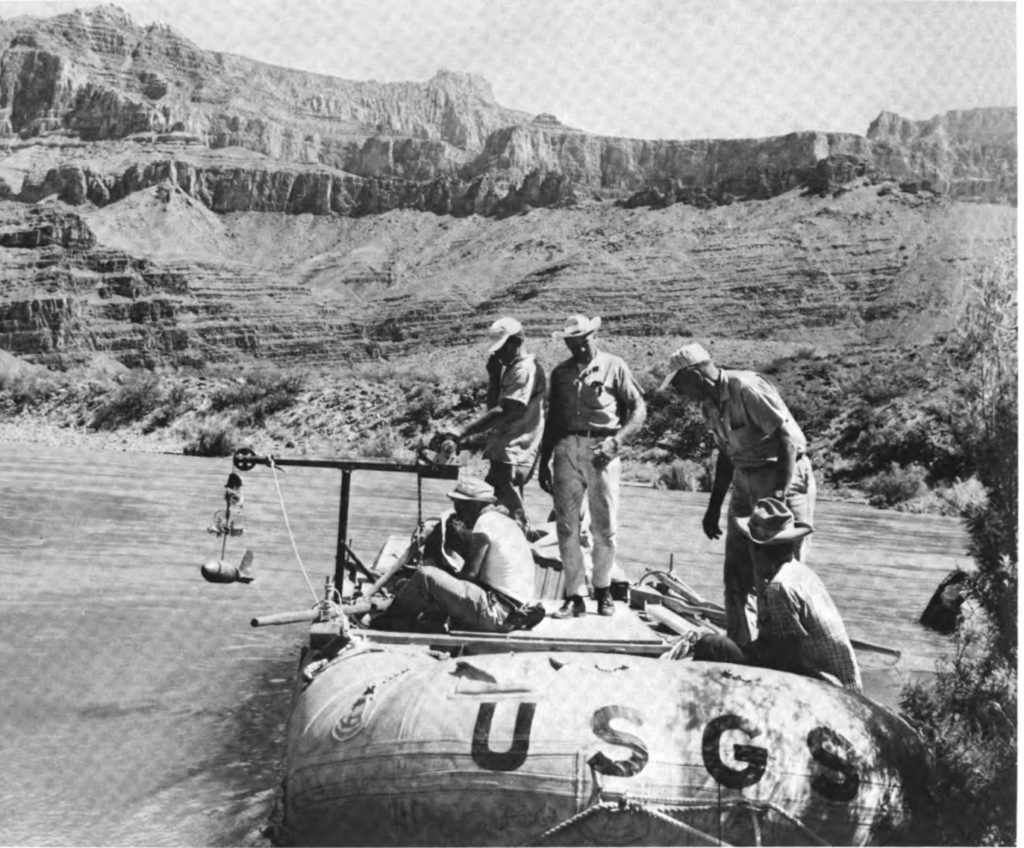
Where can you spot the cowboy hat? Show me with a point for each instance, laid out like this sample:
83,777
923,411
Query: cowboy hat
688,356
473,489
772,523
577,326
501,331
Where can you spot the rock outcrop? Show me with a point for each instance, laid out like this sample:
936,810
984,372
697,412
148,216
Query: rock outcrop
444,146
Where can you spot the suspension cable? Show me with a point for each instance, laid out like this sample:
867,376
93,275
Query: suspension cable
291,536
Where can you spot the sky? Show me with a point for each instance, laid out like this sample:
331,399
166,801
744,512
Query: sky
681,69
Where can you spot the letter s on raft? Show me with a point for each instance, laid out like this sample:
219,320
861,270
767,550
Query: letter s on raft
515,756
834,752
601,724
756,757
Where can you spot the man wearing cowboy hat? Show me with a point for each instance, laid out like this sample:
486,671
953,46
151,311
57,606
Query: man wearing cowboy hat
799,628
761,452
514,416
594,406
492,591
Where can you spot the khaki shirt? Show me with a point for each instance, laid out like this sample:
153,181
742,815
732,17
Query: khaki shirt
517,442
745,418
591,398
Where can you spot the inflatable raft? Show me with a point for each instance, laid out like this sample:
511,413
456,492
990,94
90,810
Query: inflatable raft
586,731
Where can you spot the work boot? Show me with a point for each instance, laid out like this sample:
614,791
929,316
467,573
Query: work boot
572,608
605,604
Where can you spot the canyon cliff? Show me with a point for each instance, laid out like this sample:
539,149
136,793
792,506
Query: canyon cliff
172,206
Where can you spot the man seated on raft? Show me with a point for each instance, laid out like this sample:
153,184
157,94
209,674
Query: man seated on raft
492,592
799,628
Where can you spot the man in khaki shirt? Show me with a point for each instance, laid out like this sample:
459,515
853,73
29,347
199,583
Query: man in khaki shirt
594,406
762,452
514,419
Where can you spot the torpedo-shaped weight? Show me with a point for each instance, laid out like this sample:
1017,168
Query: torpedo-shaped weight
219,571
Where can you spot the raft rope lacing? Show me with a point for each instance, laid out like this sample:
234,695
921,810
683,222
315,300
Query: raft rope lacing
656,808
288,526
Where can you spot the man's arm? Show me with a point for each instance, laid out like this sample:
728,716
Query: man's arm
636,414
788,451
478,548
508,411
719,489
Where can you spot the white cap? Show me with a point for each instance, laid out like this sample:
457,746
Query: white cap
501,331
687,356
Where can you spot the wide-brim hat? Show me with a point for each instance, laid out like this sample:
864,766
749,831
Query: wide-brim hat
578,326
473,489
688,356
772,523
501,331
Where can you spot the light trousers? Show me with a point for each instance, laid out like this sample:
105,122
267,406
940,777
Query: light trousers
575,477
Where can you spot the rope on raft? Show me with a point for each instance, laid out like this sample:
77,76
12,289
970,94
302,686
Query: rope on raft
659,808
291,536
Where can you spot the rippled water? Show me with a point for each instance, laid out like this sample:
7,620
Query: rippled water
139,707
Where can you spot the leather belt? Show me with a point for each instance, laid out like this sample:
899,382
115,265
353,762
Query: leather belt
597,433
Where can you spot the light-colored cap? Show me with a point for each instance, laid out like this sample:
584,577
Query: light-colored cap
772,523
577,326
686,357
473,489
501,331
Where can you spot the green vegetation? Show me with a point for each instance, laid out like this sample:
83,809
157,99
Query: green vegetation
969,715
257,394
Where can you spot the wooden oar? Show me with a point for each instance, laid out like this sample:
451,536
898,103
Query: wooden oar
878,649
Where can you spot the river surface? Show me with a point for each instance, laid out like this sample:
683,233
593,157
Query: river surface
137,705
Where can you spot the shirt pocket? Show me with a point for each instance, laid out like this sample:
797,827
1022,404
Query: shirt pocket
595,395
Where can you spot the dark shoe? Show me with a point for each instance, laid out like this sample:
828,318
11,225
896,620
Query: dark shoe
525,618
605,604
572,608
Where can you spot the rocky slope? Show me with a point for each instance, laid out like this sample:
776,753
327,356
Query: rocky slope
157,279
173,206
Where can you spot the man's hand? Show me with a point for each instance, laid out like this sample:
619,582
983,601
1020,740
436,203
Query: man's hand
711,519
544,478
494,365
605,452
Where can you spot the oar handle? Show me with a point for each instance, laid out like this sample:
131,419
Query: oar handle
286,617
878,649
311,614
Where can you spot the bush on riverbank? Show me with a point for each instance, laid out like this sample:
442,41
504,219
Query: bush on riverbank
968,716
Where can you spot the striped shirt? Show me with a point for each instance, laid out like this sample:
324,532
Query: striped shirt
796,603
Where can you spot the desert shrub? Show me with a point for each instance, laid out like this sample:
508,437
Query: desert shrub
964,496
384,444
29,389
175,401
673,422
214,438
258,394
131,402
685,475
904,432
421,405
968,715
967,720
896,485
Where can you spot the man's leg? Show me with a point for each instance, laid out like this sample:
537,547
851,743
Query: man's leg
801,500
569,490
469,605
738,572
603,497
502,475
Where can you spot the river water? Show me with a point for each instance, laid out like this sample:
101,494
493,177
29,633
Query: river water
138,706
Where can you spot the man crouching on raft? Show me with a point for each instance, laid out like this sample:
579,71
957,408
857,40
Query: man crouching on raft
799,628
